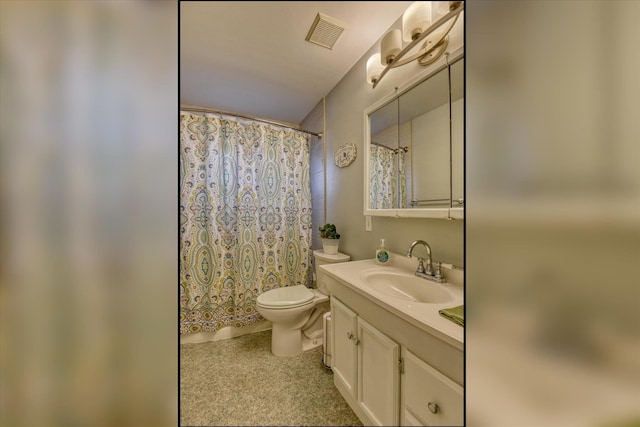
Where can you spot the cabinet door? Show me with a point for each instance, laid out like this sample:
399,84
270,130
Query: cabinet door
344,357
378,375
429,397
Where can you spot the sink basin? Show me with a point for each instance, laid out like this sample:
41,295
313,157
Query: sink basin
406,286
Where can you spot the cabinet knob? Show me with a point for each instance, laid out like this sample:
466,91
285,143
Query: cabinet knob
349,335
433,407
356,341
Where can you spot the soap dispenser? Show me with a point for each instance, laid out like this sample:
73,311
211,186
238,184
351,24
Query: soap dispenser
382,256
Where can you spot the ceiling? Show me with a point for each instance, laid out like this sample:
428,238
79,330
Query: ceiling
252,58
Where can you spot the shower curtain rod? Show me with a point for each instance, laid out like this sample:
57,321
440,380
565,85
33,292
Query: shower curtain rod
211,110
381,145
395,150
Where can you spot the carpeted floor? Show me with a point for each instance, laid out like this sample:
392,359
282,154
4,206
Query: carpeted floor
238,381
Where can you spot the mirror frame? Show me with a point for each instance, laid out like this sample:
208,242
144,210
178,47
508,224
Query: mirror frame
440,212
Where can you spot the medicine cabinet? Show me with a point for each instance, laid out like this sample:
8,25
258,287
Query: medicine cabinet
414,148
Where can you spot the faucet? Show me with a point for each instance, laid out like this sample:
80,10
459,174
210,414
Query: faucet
422,271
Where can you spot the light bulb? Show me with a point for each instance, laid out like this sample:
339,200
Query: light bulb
390,46
415,20
374,68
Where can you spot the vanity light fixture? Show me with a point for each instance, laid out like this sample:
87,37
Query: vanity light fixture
430,20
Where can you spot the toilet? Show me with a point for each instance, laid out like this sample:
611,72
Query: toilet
296,312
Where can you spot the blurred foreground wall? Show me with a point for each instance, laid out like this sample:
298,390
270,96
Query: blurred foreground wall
552,213
88,213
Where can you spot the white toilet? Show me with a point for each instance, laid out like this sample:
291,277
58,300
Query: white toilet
296,311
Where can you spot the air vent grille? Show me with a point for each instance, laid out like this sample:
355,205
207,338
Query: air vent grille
325,31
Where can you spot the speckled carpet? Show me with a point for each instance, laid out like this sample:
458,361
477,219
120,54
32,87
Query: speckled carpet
238,381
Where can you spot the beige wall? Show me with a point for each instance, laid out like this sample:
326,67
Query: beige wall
344,115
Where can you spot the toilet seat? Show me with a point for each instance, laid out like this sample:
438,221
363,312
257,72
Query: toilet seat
286,297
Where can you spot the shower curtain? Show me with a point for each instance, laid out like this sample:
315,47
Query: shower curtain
245,217
387,189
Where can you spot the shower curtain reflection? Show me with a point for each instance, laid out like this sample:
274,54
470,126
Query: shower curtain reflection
245,217
388,186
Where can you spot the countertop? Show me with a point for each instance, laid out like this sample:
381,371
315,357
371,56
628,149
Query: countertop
423,315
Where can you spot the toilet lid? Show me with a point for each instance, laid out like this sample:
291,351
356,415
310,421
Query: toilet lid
330,258
286,297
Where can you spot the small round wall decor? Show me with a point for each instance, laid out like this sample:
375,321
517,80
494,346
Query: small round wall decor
345,155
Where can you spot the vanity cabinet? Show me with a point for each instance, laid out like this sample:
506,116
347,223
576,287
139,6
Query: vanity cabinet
365,364
384,382
428,397
344,361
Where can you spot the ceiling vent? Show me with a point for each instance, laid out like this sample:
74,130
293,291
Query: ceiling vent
325,31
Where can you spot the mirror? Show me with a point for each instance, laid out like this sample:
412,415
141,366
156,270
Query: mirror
384,172
424,110
457,133
415,145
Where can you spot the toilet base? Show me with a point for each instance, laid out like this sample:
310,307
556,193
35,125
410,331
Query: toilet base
285,341
291,342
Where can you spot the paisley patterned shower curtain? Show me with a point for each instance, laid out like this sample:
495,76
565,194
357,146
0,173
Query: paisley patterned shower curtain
245,217
388,180
402,179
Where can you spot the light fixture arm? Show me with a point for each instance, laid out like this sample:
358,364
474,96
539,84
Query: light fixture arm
398,60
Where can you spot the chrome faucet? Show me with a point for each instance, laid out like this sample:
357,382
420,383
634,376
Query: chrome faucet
422,271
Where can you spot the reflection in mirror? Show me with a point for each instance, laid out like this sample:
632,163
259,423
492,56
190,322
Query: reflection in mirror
415,144
383,163
424,110
457,133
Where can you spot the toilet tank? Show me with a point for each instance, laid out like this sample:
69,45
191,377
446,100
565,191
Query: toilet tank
321,259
